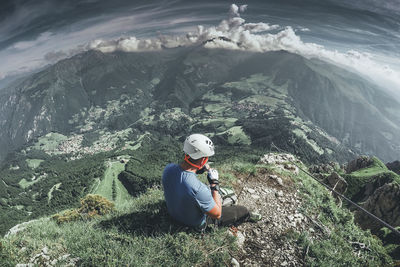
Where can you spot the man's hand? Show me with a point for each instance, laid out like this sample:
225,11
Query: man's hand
202,170
213,177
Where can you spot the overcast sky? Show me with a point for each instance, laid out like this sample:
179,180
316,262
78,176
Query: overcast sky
34,33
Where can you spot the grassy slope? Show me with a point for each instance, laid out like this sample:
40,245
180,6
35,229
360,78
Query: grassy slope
140,233
34,163
356,180
335,246
104,187
376,168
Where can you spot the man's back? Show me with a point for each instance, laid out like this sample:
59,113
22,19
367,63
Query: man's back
187,198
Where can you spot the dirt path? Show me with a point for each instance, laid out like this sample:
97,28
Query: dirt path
277,200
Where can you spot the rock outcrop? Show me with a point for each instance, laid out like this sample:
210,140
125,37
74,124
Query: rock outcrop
272,158
359,163
384,203
18,228
282,161
371,186
324,168
336,182
44,258
394,166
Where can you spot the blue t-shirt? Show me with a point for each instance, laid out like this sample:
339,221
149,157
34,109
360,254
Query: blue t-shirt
187,198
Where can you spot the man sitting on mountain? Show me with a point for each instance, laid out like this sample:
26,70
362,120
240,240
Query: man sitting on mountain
190,201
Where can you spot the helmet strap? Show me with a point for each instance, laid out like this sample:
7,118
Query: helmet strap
203,162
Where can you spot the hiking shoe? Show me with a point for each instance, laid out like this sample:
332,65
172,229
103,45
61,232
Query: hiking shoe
255,217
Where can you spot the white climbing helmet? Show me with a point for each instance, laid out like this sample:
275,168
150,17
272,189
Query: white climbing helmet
198,146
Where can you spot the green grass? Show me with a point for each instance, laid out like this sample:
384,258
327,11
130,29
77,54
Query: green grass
220,124
136,144
211,96
334,247
272,102
236,135
215,109
254,83
376,168
50,141
301,132
358,179
25,184
140,234
104,187
34,163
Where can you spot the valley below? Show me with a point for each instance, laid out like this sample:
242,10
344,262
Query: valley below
108,123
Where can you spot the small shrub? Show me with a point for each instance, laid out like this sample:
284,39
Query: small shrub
94,205
67,216
91,206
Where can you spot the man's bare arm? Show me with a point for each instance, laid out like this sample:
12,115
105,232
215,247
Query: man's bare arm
216,211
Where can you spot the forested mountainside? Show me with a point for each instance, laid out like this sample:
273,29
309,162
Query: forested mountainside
256,97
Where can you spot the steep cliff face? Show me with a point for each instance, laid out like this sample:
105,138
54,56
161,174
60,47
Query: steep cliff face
384,204
394,166
373,186
267,96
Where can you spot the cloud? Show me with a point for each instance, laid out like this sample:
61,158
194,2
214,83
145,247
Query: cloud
231,33
304,29
235,33
243,8
43,37
233,28
383,7
234,10
51,46
55,56
22,18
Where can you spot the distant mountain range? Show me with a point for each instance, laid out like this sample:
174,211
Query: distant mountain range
307,106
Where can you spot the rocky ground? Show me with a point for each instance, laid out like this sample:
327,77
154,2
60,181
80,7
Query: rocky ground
265,243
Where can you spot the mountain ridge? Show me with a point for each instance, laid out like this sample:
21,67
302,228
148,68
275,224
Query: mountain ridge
64,97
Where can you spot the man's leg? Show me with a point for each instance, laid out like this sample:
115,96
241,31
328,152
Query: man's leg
233,215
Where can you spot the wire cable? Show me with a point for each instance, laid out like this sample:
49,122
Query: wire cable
374,217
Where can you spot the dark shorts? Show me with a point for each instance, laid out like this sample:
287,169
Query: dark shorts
231,215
